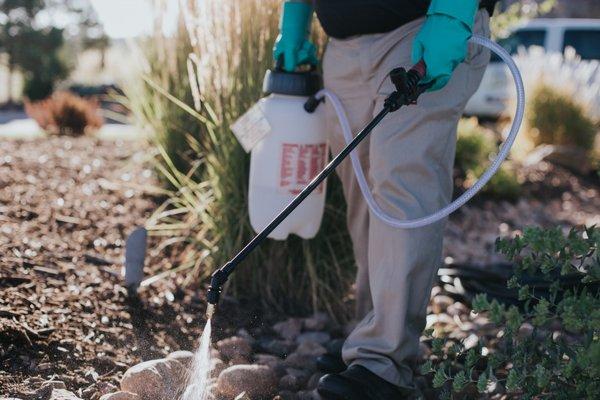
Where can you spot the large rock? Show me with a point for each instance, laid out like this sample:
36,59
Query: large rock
186,358
301,361
234,348
318,322
280,348
293,380
155,379
120,396
273,362
313,381
311,349
317,337
289,329
62,394
255,380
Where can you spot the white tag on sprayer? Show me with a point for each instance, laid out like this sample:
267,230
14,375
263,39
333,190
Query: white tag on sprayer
251,128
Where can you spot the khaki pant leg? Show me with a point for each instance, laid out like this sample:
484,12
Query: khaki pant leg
411,159
343,65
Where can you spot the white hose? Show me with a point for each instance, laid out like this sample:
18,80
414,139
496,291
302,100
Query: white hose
472,191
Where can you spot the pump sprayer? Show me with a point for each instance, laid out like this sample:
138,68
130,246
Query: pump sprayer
407,92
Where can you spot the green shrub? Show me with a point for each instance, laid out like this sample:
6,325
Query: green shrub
560,357
556,118
475,147
36,89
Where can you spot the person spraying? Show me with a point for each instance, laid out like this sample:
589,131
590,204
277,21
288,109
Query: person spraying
408,161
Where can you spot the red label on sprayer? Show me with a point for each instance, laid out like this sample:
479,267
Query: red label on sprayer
300,163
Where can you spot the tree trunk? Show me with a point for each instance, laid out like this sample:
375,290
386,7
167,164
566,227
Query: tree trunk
9,80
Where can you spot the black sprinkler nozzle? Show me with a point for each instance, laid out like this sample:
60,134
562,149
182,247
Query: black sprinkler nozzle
216,287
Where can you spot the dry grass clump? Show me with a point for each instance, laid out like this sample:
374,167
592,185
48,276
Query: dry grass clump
562,110
65,114
556,117
211,75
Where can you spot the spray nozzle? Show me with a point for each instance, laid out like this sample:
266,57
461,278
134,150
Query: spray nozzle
214,291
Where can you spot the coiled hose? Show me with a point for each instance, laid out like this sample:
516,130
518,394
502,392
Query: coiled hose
477,186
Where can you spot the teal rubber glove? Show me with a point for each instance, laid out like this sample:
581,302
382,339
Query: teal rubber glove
443,40
292,43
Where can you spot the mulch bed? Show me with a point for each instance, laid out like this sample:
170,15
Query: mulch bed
66,208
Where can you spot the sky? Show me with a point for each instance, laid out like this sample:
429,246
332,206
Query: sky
129,18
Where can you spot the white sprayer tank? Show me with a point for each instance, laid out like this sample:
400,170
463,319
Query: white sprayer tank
289,157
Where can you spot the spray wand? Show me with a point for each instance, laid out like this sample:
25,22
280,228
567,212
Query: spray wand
407,92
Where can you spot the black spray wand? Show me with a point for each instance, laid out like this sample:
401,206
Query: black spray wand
407,92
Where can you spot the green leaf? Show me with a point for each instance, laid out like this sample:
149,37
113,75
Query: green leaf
524,293
439,378
427,367
514,319
445,395
480,303
512,381
437,346
459,382
541,312
541,376
496,312
472,358
482,383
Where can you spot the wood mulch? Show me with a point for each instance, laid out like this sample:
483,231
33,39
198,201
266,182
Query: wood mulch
66,208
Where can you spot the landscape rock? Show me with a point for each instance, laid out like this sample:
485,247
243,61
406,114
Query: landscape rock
273,362
308,395
183,356
311,349
155,379
301,361
290,382
313,381
289,329
62,394
280,348
216,367
285,395
242,396
120,396
440,303
316,337
294,380
235,348
243,333
457,309
318,322
255,380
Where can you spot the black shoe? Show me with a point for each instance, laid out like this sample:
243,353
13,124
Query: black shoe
358,383
331,363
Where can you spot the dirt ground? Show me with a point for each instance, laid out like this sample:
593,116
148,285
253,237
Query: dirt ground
66,208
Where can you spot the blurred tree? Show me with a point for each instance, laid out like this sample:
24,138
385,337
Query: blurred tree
34,50
513,12
38,49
